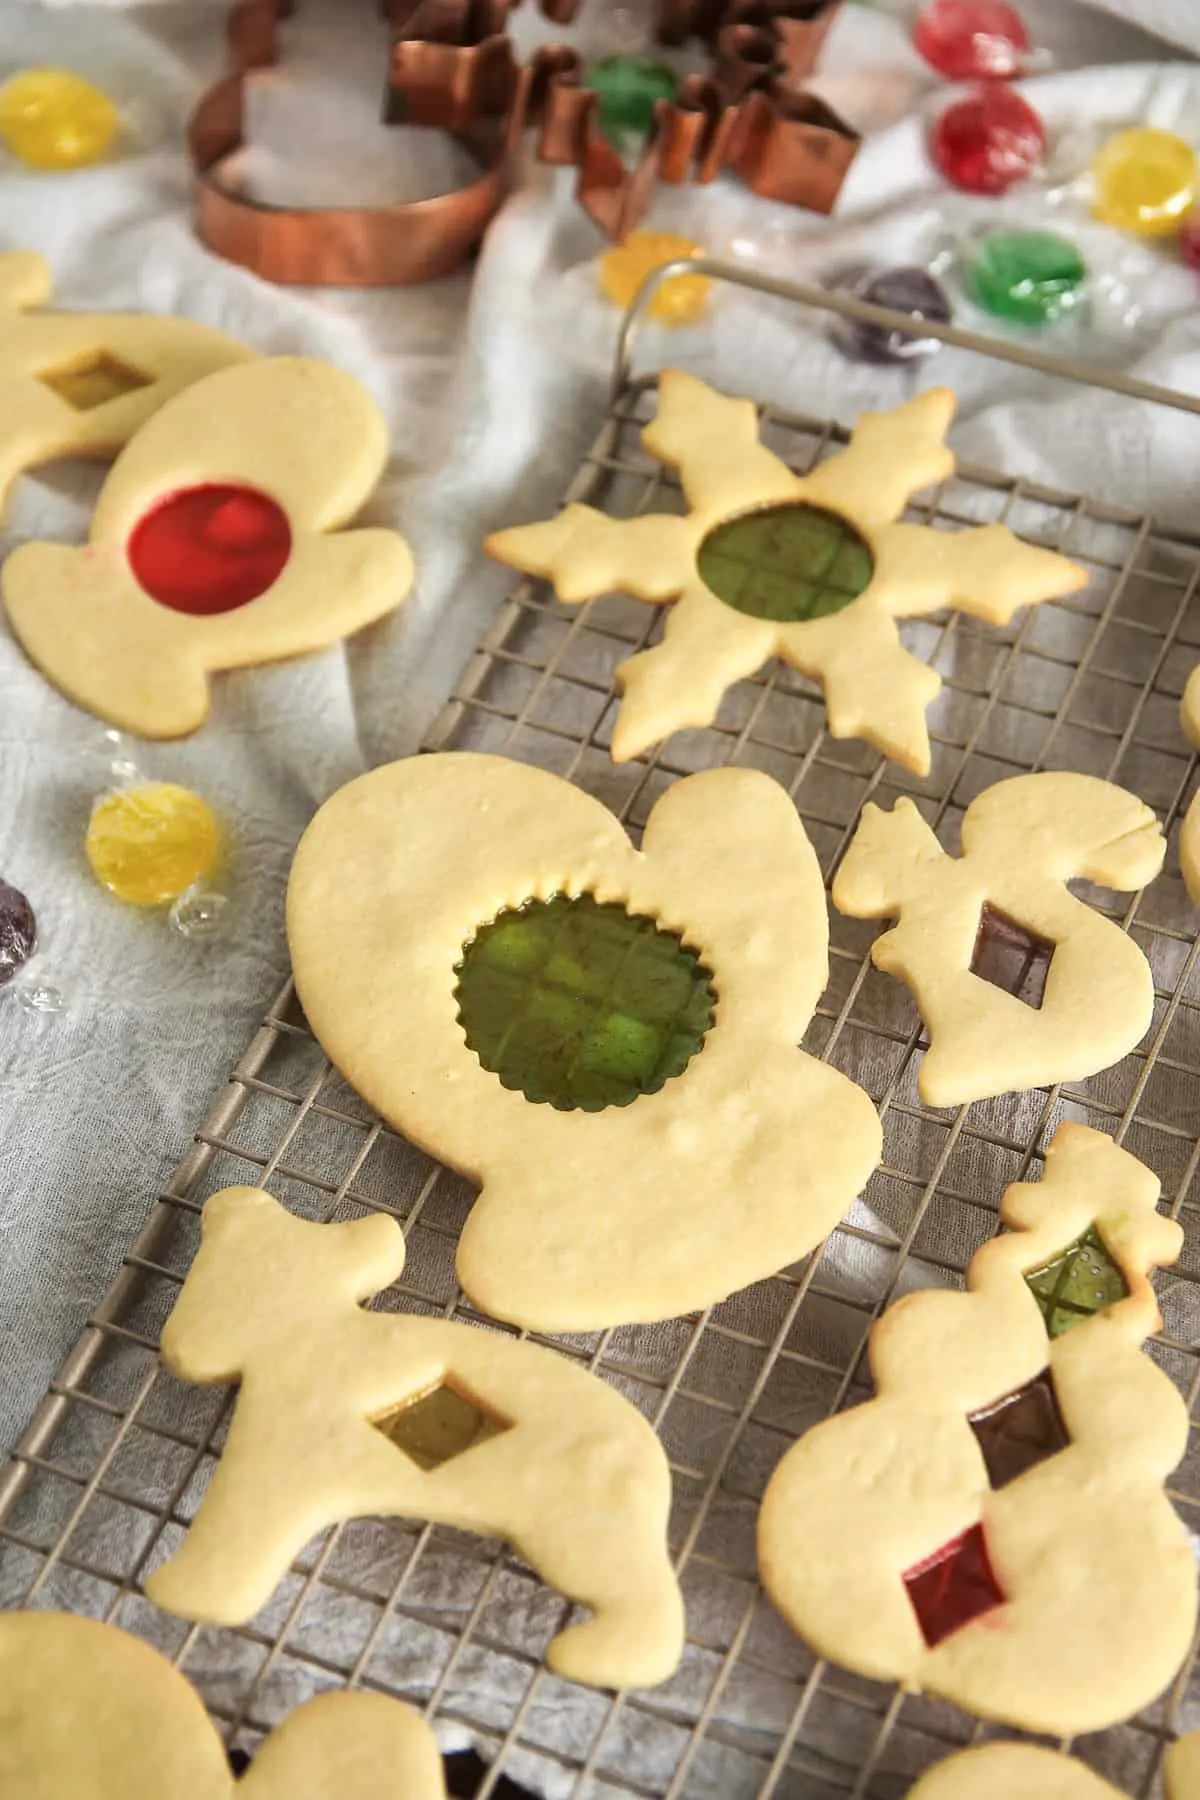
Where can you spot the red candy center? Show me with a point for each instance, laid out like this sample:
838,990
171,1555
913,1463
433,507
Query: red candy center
210,549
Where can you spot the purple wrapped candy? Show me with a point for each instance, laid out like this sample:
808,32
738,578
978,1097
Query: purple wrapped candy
18,931
905,289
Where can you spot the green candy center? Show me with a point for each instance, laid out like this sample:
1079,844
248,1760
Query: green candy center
787,563
582,1005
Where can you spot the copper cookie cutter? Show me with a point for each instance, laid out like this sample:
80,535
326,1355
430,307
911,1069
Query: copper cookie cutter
452,67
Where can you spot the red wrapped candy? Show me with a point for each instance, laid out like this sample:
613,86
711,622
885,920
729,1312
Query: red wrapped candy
972,40
988,142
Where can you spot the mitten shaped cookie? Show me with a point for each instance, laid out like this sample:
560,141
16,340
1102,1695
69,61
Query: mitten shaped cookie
605,1037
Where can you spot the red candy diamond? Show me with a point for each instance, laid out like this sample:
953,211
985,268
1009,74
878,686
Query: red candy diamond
953,1587
988,142
972,40
210,549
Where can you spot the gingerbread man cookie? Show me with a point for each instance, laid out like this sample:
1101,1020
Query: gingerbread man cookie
1022,841
1024,1772
344,1412
214,545
605,1038
815,569
89,1713
81,384
992,1526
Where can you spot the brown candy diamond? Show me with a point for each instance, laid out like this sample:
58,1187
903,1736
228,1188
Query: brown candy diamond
1020,1431
1011,956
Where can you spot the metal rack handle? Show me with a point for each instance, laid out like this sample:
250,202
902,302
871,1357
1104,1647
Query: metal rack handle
846,307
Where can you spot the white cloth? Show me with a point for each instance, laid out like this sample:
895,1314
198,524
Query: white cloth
491,390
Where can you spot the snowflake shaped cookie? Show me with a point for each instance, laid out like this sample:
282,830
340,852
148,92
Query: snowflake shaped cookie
815,569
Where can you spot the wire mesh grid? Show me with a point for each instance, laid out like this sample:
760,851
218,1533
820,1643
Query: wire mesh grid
104,1481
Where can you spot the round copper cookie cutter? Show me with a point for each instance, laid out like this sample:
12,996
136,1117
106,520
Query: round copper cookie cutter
466,89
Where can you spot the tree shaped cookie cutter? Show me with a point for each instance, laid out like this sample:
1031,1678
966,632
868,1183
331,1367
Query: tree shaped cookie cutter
214,545
699,1151
452,68
87,1709
1053,1586
81,384
828,604
332,1422
1023,840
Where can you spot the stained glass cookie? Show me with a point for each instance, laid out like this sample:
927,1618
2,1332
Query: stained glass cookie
605,1038
815,568
1019,982
992,1527
215,544
345,1412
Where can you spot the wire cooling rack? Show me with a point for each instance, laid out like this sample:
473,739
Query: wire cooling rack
105,1478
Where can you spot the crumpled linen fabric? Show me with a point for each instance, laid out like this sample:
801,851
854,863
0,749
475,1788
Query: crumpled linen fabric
492,388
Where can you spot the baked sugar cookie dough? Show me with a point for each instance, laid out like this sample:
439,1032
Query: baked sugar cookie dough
647,1135
214,545
1025,1772
344,1412
992,1528
1189,830
81,384
1022,841
815,569
1014,1772
89,1713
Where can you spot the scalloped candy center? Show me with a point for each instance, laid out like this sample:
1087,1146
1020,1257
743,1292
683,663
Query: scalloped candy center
581,1005
786,563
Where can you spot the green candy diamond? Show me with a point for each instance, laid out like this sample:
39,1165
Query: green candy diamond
1083,1280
